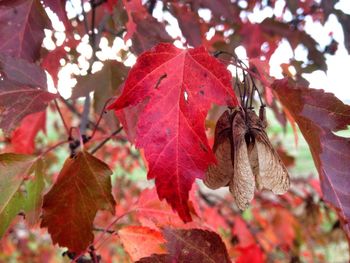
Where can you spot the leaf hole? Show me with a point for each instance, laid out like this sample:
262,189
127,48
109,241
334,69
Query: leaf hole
186,95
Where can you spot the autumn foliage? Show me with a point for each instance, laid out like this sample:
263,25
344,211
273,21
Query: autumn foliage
188,112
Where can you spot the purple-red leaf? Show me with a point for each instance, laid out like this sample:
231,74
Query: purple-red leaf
319,115
22,24
195,245
23,91
59,7
82,188
178,87
189,23
143,29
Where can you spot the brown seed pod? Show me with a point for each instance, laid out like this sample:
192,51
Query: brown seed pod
245,157
271,173
219,174
242,183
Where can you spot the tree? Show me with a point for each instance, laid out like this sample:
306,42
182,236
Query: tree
189,111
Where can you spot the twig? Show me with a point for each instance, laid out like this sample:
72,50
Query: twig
99,229
100,118
106,140
76,258
52,148
86,26
85,116
61,115
74,110
91,33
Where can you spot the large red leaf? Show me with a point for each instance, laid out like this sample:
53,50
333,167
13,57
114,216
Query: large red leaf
22,24
140,241
82,187
195,245
179,86
23,90
319,115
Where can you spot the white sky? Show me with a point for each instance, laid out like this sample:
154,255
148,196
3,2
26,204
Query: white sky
335,80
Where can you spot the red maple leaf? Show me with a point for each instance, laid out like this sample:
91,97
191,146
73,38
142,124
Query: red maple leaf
179,86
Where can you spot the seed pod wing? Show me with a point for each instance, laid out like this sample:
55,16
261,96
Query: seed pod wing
272,175
243,182
219,174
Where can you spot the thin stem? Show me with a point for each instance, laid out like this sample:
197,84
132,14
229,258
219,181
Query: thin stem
61,115
252,93
102,234
99,229
85,115
100,145
244,90
110,226
259,94
51,148
238,84
77,113
100,118
86,26
91,33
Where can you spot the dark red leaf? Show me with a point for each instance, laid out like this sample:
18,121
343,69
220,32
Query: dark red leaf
319,115
59,7
23,90
195,245
22,24
220,9
51,62
295,37
180,86
82,188
142,28
189,23
254,48
156,258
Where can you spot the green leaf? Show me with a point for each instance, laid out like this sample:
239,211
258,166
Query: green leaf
35,187
10,211
13,169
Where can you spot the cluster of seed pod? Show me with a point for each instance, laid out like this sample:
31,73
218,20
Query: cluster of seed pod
245,156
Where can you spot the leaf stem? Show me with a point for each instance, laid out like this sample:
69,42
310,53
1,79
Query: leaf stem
100,117
106,230
51,148
61,115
